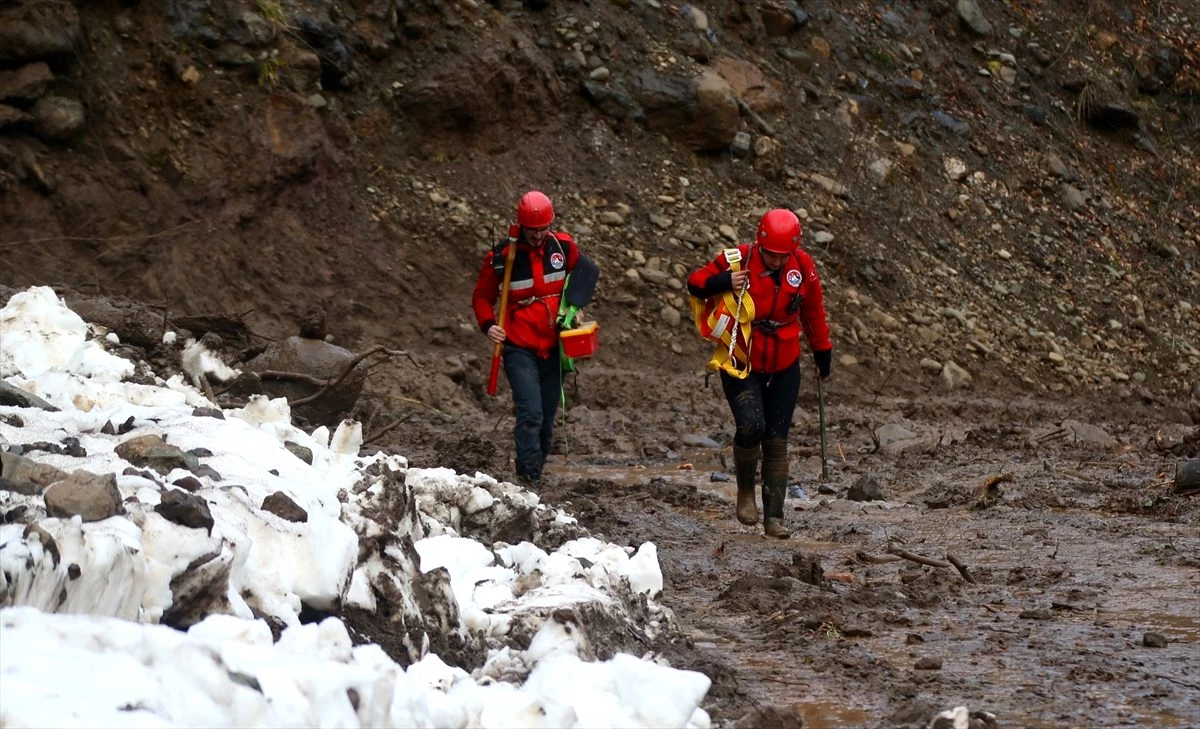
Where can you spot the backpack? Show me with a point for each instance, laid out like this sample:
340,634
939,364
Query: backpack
726,320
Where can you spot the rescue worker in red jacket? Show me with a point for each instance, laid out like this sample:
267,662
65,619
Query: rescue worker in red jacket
531,349
781,280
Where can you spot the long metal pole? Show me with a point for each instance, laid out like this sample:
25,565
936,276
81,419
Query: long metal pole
821,416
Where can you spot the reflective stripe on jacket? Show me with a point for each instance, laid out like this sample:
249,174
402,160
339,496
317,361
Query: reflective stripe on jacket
538,277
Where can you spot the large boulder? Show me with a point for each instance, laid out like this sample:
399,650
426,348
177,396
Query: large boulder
700,112
299,368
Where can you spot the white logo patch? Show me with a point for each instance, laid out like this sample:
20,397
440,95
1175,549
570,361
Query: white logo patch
794,278
556,261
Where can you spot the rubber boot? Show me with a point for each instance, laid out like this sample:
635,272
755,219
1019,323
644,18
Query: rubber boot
775,477
745,465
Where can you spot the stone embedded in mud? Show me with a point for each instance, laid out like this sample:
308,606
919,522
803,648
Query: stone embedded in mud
866,488
1154,640
58,119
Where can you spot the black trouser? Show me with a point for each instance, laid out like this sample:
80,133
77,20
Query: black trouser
536,386
762,404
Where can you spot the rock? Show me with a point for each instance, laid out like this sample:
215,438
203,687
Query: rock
311,358
1074,198
299,451
152,452
188,483
777,20
282,505
1086,433
741,145
27,83
973,17
459,93
91,496
613,102
11,116
16,397
955,377
251,30
866,488
186,509
956,718
35,31
768,157
695,440
57,119
1154,640
701,113
25,475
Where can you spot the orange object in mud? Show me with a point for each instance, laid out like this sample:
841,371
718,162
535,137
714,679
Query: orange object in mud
581,341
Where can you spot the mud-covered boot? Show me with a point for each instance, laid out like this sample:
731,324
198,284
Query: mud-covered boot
774,491
775,477
745,466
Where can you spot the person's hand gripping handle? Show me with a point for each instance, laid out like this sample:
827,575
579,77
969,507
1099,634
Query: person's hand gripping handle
497,333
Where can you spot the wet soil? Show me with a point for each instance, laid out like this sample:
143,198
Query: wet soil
1074,553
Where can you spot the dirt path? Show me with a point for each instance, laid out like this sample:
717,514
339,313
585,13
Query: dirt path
1081,564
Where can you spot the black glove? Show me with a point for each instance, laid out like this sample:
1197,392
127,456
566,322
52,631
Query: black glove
722,282
824,360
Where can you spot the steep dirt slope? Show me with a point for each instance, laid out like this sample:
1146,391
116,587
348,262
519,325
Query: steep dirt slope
1004,186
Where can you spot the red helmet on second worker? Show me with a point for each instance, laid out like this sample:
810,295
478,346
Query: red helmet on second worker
779,231
535,210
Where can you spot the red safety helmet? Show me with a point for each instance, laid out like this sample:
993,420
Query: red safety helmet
779,231
535,210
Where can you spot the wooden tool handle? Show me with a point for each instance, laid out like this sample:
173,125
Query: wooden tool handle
494,375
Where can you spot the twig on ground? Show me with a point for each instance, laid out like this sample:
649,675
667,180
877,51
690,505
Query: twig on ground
929,561
879,390
1053,435
208,391
139,238
387,428
962,568
876,558
401,398
293,376
1172,679
346,371
754,116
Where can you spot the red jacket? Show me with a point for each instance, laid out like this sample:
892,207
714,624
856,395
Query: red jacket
786,303
538,277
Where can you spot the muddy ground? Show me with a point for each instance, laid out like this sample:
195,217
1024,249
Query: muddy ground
1076,605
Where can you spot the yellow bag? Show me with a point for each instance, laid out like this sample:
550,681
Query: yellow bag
726,319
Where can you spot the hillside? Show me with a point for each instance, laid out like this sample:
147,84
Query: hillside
1000,196
1008,186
